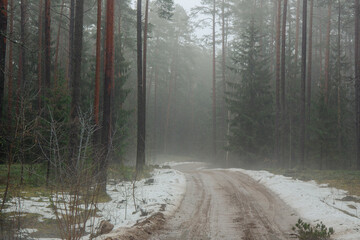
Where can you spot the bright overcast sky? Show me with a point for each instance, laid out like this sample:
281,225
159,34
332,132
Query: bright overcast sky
188,4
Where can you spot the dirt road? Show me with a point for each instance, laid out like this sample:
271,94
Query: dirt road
220,204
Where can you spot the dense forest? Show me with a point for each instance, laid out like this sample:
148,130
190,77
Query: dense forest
87,85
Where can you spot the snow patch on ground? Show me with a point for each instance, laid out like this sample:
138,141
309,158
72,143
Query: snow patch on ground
314,202
164,194
196,165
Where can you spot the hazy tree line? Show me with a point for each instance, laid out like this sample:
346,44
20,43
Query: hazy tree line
291,81
70,87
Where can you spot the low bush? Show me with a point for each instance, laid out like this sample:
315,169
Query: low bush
305,231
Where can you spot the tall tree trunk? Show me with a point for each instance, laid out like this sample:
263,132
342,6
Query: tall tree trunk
223,75
169,101
47,46
327,56
303,87
297,32
155,112
339,78
47,64
283,71
140,154
309,63
71,41
11,65
57,45
357,82
108,90
289,88
170,92
320,51
214,81
75,82
77,59
277,79
22,55
144,71
40,55
98,65
3,29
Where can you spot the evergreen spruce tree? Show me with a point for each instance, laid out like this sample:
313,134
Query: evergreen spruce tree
250,100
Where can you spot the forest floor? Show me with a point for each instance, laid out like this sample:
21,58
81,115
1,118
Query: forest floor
161,192
193,201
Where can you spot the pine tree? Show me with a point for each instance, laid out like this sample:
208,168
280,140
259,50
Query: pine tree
303,86
140,159
250,101
108,92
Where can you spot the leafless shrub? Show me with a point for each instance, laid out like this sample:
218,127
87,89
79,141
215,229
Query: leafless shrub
75,190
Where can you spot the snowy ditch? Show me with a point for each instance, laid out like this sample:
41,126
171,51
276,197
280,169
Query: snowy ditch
162,193
314,202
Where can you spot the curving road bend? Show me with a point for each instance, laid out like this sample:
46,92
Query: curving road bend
220,204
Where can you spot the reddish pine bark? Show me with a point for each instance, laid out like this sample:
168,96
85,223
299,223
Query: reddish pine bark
3,28
108,89
98,65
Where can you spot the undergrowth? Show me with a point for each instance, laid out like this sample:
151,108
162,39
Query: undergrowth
305,231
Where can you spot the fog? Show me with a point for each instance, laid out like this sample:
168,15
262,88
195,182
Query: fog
163,119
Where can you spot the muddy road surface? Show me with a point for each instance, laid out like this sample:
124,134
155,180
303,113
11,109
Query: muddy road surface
226,205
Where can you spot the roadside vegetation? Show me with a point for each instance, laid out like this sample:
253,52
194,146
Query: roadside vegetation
66,203
347,180
305,231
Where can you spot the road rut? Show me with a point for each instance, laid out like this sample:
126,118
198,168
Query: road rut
221,204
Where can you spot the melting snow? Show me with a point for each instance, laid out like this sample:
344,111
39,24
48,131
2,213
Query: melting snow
165,191
314,202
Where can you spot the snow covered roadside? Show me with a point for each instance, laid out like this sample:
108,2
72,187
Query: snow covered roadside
162,192
314,203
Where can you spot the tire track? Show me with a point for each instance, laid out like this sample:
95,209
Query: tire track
220,204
